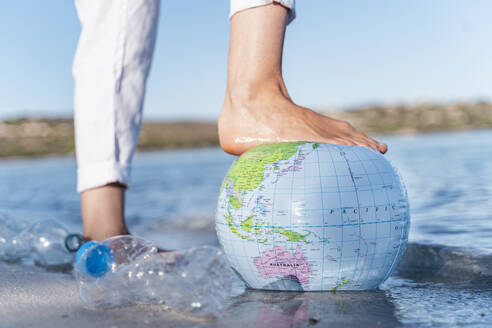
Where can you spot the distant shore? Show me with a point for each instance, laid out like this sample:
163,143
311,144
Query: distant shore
421,118
41,136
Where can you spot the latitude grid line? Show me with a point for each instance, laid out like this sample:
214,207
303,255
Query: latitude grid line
339,208
340,175
347,240
317,226
333,192
317,258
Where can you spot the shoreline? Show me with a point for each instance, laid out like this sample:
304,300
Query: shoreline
47,137
154,150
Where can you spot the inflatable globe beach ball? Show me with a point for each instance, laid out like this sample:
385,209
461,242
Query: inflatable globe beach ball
312,216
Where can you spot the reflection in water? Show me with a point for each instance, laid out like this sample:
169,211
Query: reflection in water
293,309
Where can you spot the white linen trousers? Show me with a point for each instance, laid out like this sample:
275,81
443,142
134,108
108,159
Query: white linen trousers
110,70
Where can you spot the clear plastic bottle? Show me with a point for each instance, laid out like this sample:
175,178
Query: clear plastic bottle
126,270
48,243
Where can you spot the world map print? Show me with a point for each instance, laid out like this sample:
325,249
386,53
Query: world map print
312,216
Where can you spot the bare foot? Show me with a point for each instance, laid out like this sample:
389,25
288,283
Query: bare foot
267,114
257,108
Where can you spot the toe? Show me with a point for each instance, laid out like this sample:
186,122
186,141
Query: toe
383,148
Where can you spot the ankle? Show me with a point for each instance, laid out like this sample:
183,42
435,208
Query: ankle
244,94
103,212
98,233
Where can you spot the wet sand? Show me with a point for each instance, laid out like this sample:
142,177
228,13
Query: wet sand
32,297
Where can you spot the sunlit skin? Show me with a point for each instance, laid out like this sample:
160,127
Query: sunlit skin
257,109
103,211
257,106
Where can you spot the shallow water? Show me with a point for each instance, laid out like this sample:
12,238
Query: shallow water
445,278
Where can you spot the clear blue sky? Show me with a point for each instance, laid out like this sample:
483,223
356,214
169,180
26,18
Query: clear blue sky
338,54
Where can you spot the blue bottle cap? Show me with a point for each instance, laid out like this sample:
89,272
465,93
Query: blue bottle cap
94,259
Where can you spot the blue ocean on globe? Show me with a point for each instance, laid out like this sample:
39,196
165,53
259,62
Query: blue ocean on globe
313,216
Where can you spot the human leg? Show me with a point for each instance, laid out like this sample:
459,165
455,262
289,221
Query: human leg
103,212
257,107
110,70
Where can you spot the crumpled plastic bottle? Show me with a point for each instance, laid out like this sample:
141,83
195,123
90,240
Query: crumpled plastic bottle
126,270
48,243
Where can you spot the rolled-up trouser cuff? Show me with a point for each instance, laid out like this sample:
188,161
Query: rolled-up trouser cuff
110,69
238,5
98,175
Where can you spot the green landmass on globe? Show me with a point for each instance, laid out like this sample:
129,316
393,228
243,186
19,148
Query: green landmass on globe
245,175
